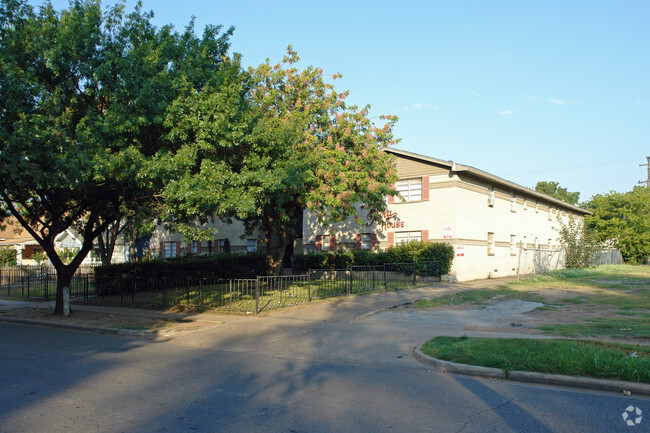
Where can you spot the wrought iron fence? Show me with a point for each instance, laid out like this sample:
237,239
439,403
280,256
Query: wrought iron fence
40,282
239,295
262,293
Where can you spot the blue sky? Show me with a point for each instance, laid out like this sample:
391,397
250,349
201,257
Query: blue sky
525,90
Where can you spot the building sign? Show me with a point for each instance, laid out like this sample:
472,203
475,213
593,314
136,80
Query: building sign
460,250
447,232
390,221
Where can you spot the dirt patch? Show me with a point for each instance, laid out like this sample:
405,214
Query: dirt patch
561,307
105,320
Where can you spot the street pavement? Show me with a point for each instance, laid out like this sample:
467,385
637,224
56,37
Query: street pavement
329,366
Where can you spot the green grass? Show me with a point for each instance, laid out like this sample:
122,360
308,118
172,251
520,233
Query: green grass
568,357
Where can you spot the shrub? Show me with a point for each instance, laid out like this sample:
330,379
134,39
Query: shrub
221,266
7,257
578,242
441,253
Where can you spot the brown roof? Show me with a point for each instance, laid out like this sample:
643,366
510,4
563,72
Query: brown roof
12,233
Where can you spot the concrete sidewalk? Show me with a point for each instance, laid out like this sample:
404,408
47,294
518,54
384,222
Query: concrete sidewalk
342,308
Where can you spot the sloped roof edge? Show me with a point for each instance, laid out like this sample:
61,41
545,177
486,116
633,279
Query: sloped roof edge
496,180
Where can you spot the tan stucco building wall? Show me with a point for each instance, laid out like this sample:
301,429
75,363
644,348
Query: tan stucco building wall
497,228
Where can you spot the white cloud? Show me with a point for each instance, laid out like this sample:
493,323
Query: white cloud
507,112
420,106
557,101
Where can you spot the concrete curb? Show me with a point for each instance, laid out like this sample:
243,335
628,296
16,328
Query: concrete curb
77,327
381,310
530,377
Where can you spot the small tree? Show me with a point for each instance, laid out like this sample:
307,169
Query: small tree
579,244
7,256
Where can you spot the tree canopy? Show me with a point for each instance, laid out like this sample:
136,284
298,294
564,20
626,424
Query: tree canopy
555,190
622,220
83,101
279,141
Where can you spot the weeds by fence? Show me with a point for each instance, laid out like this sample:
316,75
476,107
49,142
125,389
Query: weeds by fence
238,295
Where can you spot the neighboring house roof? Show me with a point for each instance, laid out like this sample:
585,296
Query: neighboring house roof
495,180
13,233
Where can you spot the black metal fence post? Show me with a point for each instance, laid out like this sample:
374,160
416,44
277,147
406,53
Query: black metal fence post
309,285
188,291
385,279
350,270
257,295
415,272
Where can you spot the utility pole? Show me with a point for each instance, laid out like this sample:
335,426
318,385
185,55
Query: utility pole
647,182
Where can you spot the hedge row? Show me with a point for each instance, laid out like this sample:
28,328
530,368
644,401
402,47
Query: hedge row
227,266
439,252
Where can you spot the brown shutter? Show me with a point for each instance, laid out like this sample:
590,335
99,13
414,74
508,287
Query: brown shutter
391,199
162,250
198,247
319,243
391,239
357,241
215,246
425,235
178,249
332,242
373,241
425,188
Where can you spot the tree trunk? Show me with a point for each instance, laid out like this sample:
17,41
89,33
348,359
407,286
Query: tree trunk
64,276
107,246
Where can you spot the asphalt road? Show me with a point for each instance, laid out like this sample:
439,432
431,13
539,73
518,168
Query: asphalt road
314,369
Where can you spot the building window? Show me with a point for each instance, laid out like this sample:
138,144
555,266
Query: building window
536,243
404,237
525,204
410,189
326,243
513,245
490,199
169,250
366,243
550,214
196,247
221,245
513,203
490,244
251,245
523,243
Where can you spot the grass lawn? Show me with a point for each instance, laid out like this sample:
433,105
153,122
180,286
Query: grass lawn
568,357
623,290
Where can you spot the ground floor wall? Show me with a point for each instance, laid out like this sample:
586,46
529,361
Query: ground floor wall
472,263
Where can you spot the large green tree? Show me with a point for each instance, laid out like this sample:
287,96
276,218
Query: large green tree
555,190
622,220
280,141
83,99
